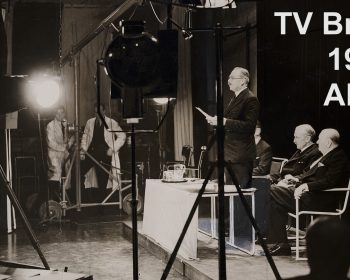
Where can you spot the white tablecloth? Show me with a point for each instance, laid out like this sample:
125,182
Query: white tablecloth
167,206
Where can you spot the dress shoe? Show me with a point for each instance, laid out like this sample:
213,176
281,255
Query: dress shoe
280,249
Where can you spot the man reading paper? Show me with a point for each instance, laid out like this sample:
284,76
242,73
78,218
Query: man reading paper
240,119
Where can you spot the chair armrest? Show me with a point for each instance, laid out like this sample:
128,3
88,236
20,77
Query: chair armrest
337,190
261,177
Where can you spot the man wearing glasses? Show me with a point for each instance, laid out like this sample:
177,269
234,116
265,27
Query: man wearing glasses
240,119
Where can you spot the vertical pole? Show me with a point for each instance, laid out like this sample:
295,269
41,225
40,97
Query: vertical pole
247,48
8,202
77,125
170,14
220,143
134,206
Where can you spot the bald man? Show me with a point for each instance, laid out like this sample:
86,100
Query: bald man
328,171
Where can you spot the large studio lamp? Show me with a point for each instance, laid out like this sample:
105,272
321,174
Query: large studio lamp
132,63
132,58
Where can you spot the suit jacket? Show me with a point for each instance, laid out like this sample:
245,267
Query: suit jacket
263,160
301,160
330,172
241,114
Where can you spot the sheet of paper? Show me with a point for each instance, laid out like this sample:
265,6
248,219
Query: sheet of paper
204,113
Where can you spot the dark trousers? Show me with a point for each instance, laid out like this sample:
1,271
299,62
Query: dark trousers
282,202
54,190
243,172
102,157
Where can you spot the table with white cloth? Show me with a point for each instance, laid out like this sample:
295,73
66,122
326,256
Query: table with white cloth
166,209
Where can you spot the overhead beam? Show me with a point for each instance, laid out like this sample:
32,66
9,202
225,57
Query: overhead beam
126,5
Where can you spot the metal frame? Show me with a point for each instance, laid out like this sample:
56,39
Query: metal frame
281,160
297,214
120,190
231,194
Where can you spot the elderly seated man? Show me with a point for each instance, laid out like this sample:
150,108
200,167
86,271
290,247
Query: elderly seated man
328,171
306,153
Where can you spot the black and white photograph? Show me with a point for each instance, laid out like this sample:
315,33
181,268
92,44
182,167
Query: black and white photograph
174,139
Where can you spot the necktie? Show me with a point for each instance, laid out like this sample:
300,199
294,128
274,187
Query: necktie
296,154
63,131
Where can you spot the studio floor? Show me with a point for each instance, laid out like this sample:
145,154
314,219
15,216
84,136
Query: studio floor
96,246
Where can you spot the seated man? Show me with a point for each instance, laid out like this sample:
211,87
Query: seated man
307,153
263,160
329,171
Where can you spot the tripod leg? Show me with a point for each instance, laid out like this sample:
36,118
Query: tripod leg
187,224
23,217
253,222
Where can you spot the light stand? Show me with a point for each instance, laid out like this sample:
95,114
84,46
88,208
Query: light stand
134,206
160,141
220,143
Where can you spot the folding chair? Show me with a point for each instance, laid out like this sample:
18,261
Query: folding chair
277,165
298,213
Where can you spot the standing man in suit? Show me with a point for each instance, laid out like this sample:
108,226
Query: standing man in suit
328,171
240,119
307,152
263,160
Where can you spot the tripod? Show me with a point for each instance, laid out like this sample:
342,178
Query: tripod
221,165
27,226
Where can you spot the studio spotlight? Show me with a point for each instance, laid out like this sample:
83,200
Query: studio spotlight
45,91
132,59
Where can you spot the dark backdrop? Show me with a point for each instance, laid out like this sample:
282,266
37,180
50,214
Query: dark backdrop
295,73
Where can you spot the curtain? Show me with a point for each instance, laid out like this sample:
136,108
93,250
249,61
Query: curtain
183,117
77,22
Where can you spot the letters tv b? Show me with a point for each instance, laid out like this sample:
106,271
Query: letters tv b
166,85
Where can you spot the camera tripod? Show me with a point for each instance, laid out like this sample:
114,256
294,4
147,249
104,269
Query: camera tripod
27,227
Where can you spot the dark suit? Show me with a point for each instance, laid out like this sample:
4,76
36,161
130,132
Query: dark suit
240,152
298,162
263,159
330,172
